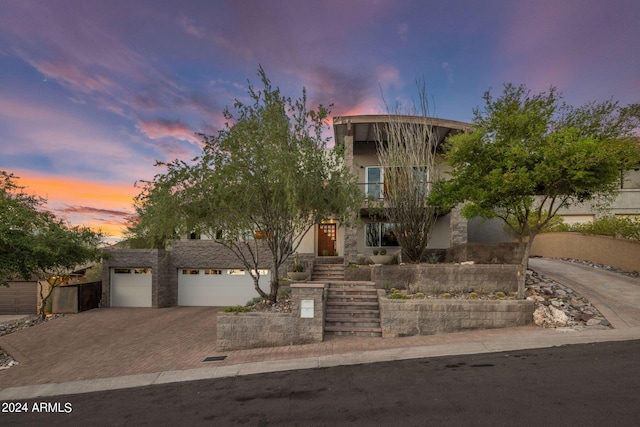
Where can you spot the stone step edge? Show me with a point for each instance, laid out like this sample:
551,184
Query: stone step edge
351,329
351,296
354,303
355,320
356,311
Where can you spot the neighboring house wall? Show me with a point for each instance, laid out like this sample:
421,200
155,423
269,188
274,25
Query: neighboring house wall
20,297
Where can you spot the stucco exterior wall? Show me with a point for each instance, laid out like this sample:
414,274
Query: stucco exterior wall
624,254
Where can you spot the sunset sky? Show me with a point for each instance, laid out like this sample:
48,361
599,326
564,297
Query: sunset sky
93,92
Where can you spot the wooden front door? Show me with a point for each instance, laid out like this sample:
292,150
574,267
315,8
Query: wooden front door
326,239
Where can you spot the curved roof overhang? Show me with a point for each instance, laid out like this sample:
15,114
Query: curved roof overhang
365,128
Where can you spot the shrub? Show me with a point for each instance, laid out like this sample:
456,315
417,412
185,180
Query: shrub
614,226
420,295
236,309
473,295
446,295
383,251
282,292
253,301
500,294
376,251
398,295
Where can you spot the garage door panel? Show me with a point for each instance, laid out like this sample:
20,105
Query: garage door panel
19,298
131,289
226,287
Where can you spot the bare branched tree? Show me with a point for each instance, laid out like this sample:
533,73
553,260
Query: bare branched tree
407,150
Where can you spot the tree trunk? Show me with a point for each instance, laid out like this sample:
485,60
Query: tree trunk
275,284
43,301
524,265
256,285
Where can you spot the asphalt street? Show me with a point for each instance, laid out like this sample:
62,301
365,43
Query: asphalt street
585,385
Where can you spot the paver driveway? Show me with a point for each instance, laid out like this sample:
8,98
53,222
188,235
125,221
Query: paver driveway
110,342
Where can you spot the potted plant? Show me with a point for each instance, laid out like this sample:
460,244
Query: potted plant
382,258
298,271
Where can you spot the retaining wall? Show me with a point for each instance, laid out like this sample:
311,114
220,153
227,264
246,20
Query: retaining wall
238,331
401,318
429,278
487,253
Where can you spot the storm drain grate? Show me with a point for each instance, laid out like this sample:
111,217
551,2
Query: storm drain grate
214,358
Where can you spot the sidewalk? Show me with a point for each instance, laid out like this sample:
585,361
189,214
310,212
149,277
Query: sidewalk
178,355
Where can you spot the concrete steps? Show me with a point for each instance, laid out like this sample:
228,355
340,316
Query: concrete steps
327,272
352,309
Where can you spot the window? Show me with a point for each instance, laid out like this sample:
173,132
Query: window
212,271
190,271
374,182
235,272
142,271
261,272
379,234
122,270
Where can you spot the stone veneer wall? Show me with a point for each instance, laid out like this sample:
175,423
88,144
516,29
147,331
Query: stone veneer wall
401,318
429,278
458,226
487,253
253,330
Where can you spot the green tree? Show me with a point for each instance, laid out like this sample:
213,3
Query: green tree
19,217
269,174
33,241
529,156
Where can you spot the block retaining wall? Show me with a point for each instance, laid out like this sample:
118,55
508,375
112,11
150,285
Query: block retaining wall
402,318
239,331
428,278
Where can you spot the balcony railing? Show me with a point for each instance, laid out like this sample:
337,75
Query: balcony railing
372,190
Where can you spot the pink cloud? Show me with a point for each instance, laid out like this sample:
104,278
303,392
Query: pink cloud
190,28
162,128
569,43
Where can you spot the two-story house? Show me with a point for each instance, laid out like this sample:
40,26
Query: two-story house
199,271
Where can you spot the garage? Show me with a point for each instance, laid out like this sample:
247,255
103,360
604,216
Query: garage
218,287
19,298
131,287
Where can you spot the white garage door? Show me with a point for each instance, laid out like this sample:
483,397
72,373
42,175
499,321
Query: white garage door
131,287
218,287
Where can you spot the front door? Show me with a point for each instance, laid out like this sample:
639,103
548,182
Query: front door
326,239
